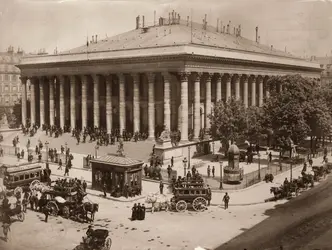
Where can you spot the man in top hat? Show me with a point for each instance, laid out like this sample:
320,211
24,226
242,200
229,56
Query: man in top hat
139,212
143,212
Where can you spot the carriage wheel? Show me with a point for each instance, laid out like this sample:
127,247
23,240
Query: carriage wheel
66,212
181,206
108,244
21,216
33,184
18,190
199,204
53,207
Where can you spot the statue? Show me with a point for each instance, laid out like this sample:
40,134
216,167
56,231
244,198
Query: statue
165,135
120,150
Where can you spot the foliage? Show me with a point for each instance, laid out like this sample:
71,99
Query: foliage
228,120
255,127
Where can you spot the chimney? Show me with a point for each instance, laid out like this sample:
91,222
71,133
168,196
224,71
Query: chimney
96,38
161,21
234,31
187,20
240,30
205,22
154,20
227,28
221,27
93,40
257,34
271,47
175,15
143,22
137,22
218,25
169,18
223,30
237,32
179,18
259,39
172,20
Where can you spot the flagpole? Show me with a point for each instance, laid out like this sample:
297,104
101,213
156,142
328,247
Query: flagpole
191,24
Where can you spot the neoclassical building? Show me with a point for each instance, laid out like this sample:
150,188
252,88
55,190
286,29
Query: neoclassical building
169,74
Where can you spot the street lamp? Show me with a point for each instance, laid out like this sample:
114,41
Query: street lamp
291,165
213,147
185,166
188,157
66,153
221,175
259,166
46,147
96,149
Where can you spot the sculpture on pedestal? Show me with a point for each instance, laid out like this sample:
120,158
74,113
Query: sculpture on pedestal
120,150
165,135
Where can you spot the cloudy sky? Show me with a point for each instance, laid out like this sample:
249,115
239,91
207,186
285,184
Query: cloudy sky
303,26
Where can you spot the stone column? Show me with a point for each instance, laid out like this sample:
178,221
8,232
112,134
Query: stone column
151,105
73,102
33,101
84,101
260,92
228,86
267,88
96,114
208,108
245,91
253,90
51,87
197,104
24,100
237,87
136,103
62,101
184,106
167,100
109,109
218,94
41,102
122,103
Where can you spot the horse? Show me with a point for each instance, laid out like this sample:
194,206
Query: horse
277,191
92,208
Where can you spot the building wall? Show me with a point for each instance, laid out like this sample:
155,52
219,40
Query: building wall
326,64
10,83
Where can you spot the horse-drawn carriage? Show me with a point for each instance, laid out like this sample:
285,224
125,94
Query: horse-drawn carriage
190,193
99,240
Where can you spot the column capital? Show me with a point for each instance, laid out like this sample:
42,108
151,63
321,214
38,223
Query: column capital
24,79
218,76
109,78
197,76
135,76
151,76
208,76
228,76
184,75
260,78
252,77
62,78
72,78
166,75
95,77
51,78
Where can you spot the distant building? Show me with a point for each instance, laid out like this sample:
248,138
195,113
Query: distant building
326,64
10,84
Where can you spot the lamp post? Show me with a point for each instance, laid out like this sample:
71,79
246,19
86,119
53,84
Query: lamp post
185,166
259,166
46,148
221,175
291,165
66,153
213,147
96,149
188,157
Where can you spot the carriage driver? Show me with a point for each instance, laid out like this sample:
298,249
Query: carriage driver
89,232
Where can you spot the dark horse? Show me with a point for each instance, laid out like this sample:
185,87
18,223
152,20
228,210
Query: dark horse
92,208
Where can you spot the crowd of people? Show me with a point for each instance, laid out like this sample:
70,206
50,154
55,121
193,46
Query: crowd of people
138,212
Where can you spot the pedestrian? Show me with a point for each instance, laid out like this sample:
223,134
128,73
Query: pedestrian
84,186
139,212
161,187
226,200
208,171
66,171
310,162
46,211
213,171
133,212
169,171
172,161
104,189
6,222
270,156
209,194
143,212
60,164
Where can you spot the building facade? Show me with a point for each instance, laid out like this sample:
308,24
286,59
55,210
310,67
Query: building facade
10,84
326,65
168,74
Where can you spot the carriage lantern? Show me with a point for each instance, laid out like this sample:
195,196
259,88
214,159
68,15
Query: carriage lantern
185,166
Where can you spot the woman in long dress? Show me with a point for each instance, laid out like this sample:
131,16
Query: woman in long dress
134,212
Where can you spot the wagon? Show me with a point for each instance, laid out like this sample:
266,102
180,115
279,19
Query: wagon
192,194
100,240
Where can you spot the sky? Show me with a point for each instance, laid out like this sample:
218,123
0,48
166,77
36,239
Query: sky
304,27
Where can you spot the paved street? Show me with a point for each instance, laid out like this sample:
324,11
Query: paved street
302,223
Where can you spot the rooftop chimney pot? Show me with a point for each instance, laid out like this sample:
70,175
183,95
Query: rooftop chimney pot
218,25
187,20
143,20
257,34
93,39
96,38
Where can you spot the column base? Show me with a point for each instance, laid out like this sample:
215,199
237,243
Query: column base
184,141
151,139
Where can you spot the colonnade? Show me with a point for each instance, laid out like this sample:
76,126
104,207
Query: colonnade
137,101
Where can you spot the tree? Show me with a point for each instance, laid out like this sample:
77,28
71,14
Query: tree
284,112
255,128
228,121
